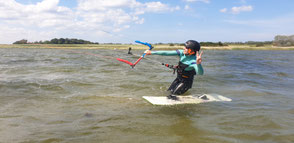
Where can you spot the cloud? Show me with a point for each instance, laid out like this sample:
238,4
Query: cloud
276,23
43,14
187,7
159,7
224,10
116,15
243,1
237,10
92,16
205,1
97,5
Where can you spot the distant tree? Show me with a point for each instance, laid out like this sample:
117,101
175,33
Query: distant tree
61,41
46,42
23,41
259,44
54,41
282,40
66,41
211,44
220,43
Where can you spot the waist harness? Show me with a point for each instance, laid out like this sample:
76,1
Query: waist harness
185,74
181,70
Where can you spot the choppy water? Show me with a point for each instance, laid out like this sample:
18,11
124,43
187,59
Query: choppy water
54,95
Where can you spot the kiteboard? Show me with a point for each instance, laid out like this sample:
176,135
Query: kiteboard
163,100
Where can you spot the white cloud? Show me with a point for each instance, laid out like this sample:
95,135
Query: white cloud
114,15
89,16
44,14
275,23
243,1
237,10
88,5
11,34
267,27
205,1
187,7
153,7
224,10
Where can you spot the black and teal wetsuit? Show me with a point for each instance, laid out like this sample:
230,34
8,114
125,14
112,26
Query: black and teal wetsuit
186,70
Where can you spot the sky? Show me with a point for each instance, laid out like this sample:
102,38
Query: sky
154,21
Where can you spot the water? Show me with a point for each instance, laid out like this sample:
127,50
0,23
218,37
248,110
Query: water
55,95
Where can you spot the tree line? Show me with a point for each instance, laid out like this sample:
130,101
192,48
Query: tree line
57,41
282,40
201,43
220,44
279,40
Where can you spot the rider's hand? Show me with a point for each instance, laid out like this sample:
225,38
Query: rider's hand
147,52
199,59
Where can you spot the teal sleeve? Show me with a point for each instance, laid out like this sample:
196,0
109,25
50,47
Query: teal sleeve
198,68
164,53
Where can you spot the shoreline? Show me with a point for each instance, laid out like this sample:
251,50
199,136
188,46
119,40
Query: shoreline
138,47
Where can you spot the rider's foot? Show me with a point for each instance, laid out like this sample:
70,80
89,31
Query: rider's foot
204,97
172,97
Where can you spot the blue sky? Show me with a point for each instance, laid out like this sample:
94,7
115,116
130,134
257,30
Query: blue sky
124,21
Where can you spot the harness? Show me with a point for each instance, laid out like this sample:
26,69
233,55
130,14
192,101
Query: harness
174,68
181,70
185,74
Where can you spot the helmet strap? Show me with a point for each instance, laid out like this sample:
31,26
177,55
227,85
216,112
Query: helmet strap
191,52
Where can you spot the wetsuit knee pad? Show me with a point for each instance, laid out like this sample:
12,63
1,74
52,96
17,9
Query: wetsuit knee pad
180,88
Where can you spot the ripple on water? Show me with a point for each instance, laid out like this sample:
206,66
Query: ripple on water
281,74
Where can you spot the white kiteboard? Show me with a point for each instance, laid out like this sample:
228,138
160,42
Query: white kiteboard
163,100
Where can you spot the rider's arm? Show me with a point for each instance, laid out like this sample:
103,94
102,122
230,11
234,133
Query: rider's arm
198,68
165,53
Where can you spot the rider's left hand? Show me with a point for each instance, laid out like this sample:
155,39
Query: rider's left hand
199,59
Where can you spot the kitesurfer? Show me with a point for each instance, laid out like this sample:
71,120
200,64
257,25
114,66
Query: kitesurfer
129,52
189,65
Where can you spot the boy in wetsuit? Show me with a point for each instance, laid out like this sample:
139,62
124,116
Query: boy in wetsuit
189,65
130,51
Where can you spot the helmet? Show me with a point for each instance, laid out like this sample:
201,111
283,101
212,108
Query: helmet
192,46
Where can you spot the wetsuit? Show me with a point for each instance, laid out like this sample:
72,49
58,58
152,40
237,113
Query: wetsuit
186,70
130,51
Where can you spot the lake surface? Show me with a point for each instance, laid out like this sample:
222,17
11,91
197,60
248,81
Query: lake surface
56,95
